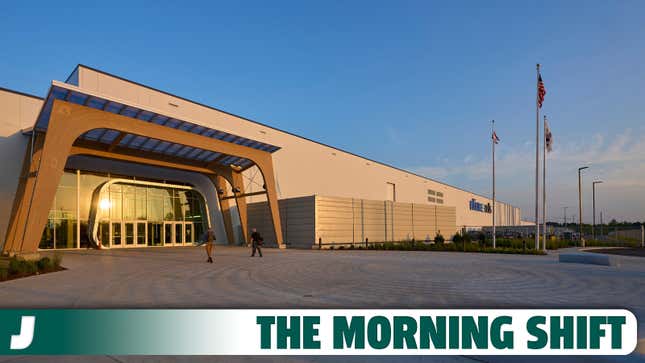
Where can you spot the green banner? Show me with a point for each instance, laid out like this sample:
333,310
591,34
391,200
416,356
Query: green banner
318,331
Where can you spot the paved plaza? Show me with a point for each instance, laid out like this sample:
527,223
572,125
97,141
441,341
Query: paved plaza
180,278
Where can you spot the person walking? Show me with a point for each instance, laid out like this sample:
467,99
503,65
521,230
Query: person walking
256,242
209,241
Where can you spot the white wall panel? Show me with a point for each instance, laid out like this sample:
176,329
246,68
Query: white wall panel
303,167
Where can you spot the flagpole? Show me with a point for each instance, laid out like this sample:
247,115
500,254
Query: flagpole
544,187
537,159
493,141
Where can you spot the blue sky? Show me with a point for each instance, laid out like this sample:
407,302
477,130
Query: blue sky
410,83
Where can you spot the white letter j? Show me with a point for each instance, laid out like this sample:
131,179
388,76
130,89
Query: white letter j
23,340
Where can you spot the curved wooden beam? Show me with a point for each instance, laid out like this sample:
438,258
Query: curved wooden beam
67,122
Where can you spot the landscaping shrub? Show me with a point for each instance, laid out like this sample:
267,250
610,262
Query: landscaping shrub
14,266
457,238
23,268
620,243
555,244
57,260
482,239
474,243
45,264
451,247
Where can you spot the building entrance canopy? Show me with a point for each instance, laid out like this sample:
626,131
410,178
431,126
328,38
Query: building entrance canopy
116,139
73,121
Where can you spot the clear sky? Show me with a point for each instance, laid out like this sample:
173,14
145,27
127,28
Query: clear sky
410,83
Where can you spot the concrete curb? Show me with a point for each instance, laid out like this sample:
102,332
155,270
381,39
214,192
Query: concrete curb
587,258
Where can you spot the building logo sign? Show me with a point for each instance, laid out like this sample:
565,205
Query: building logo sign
480,207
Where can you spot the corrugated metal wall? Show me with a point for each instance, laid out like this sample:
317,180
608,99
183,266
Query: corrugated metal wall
306,219
297,216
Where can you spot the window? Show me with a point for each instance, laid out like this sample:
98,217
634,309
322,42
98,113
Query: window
435,197
125,212
61,228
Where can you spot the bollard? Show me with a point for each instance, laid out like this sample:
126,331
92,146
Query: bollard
366,243
319,243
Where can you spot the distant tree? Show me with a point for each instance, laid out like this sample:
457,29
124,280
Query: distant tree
439,239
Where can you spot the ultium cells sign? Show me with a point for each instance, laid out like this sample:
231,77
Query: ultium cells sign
480,207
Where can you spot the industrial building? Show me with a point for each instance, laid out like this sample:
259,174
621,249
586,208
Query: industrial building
104,162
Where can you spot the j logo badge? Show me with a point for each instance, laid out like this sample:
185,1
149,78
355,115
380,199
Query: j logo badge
23,340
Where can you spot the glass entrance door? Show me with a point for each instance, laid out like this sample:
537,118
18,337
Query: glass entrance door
128,234
179,234
155,233
140,237
173,234
115,234
168,238
189,233
141,234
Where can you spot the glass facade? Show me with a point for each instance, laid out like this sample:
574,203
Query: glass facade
61,230
122,212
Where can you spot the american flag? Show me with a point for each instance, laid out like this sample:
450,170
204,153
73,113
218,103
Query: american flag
495,138
541,91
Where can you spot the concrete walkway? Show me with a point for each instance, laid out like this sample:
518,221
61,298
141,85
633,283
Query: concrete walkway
180,278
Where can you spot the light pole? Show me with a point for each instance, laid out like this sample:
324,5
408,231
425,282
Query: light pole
582,240
593,225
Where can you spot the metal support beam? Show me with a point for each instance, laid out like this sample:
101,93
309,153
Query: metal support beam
244,195
240,199
116,141
216,161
